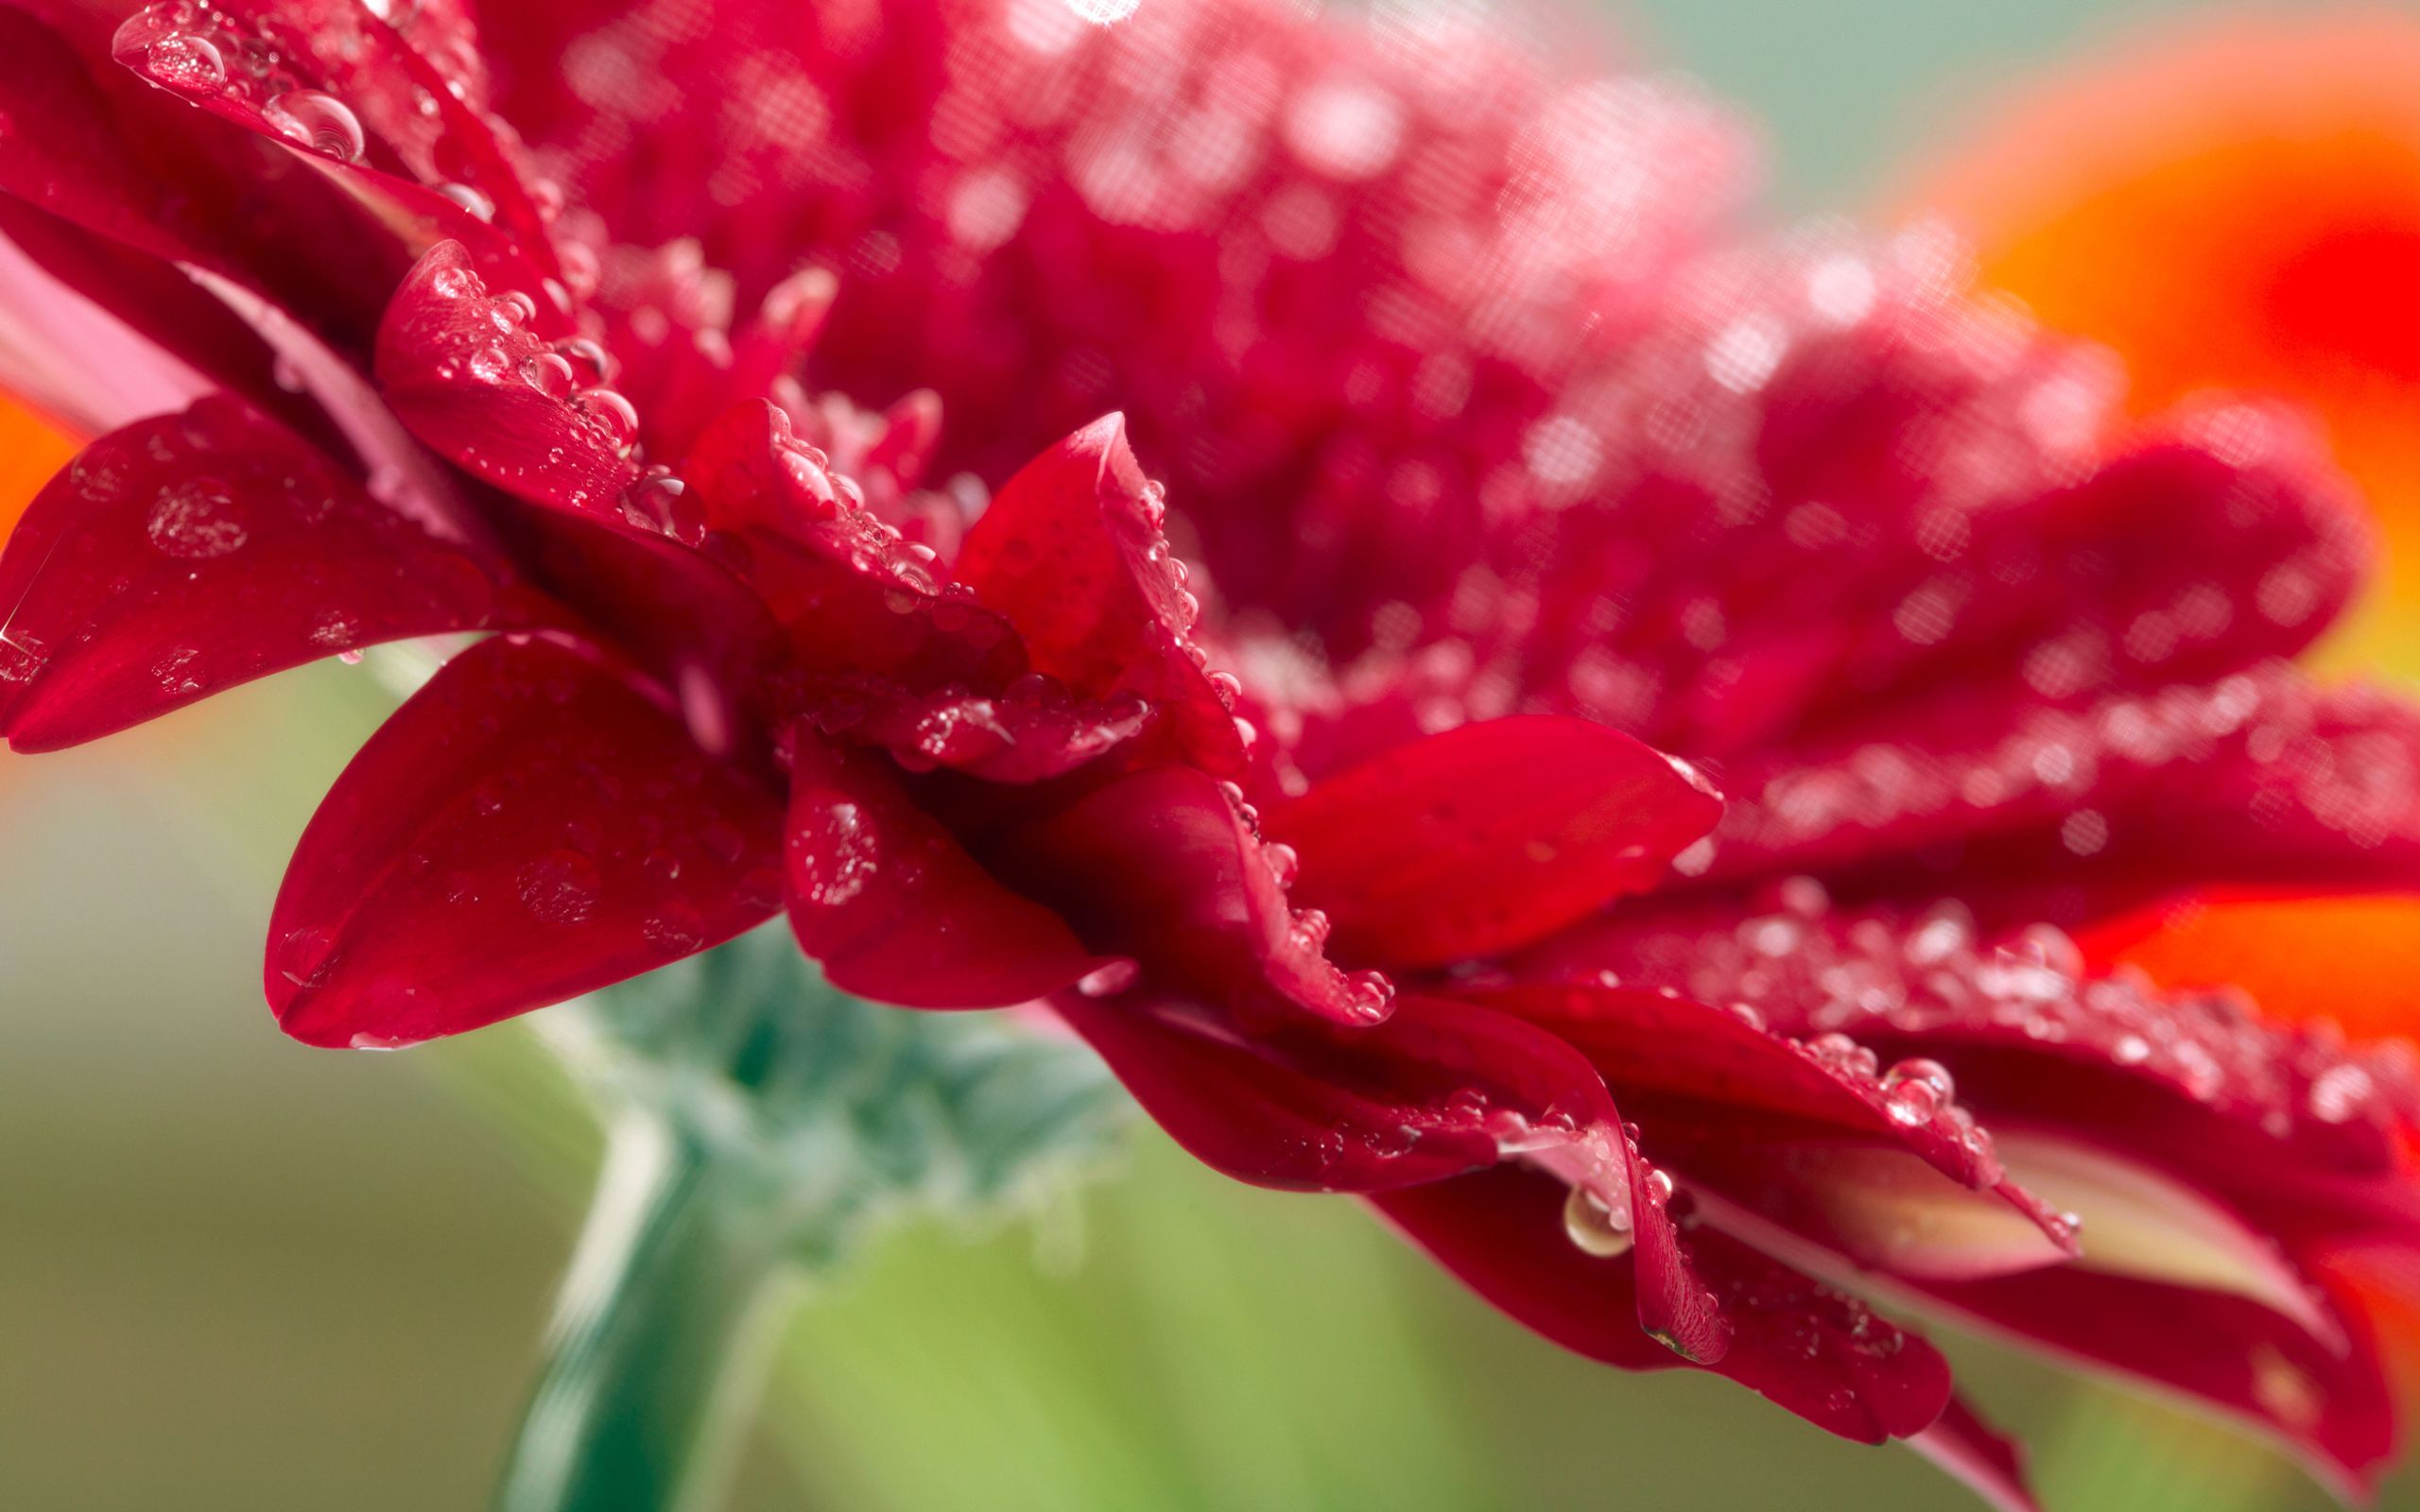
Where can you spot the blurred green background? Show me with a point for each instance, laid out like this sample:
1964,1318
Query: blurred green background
236,1274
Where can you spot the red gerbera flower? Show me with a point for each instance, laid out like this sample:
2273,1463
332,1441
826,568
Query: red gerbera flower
1502,465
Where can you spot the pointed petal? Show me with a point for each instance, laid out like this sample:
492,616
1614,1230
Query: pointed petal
1812,1351
1986,1462
2246,1360
456,364
1071,551
895,910
529,826
189,552
1814,1130
1488,836
2293,1136
2138,1222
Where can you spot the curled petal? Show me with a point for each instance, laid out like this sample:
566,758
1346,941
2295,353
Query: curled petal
1071,551
2332,1404
1440,1089
1813,1350
529,826
189,552
466,375
895,909
1488,836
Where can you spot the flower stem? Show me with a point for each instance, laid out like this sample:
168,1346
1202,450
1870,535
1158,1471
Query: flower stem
659,1341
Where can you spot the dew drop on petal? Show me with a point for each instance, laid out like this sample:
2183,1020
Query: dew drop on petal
1594,1228
559,887
187,63
197,520
318,121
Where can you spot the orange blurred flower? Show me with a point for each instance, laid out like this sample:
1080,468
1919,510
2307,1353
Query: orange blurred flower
2238,206
31,449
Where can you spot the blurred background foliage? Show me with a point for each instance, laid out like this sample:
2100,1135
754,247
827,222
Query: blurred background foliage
241,1275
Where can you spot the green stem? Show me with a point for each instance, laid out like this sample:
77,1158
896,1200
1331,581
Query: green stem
658,1343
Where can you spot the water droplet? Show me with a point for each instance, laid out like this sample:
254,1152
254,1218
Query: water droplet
478,206
187,63
1914,1089
303,956
675,929
560,887
1109,980
611,415
1594,1228
318,121
197,520
662,503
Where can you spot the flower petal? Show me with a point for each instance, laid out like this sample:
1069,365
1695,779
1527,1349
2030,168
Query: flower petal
2242,1358
462,370
1488,836
895,910
1987,1462
2069,815
189,552
529,826
1071,551
1439,1090
1810,1350
1159,865
1888,1169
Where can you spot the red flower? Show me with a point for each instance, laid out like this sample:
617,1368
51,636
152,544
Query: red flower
1502,465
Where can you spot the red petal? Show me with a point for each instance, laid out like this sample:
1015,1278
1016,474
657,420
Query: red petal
190,553
1071,551
2296,1134
528,827
1158,864
2068,816
2232,1354
1813,1350
456,366
1488,836
853,598
1440,1089
895,909
355,102
1988,1463
1802,1135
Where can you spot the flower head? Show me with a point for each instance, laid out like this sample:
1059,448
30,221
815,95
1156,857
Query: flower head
1507,468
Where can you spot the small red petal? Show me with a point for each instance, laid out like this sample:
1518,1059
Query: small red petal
462,370
1071,550
895,909
189,552
528,827
1488,836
